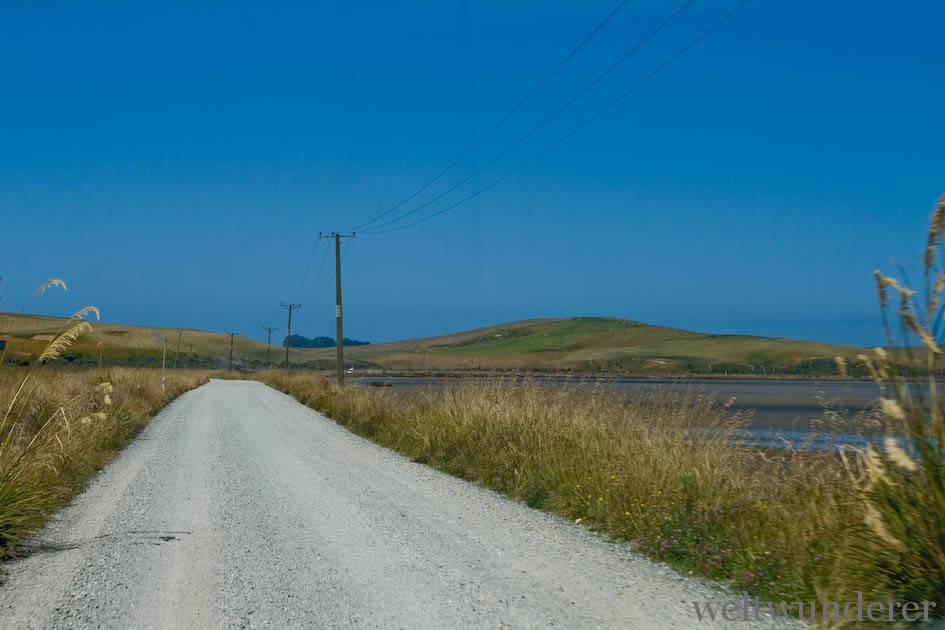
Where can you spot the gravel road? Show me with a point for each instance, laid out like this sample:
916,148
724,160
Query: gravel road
239,507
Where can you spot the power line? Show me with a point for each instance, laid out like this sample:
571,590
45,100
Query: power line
275,315
547,119
576,129
317,274
272,320
501,121
307,267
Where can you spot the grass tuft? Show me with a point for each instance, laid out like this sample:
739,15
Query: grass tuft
901,486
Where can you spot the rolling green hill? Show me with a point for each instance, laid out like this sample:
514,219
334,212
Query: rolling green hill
583,344
604,344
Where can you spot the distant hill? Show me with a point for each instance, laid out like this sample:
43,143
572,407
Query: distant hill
602,344
298,341
573,345
125,344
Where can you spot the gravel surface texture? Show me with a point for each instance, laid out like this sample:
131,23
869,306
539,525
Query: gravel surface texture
239,507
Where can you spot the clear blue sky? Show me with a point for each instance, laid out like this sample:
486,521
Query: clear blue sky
174,162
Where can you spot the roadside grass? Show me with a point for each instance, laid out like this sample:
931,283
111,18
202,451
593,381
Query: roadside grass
657,469
62,428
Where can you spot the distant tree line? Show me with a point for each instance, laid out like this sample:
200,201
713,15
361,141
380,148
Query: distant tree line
298,341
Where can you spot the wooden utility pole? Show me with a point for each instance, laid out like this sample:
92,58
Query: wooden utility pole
268,329
177,353
230,365
288,332
339,336
163,365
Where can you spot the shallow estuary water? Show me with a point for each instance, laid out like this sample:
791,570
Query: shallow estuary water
789,411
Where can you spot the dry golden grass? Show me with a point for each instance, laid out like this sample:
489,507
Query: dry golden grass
63,427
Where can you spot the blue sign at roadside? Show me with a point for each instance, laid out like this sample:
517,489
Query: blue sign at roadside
3,344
